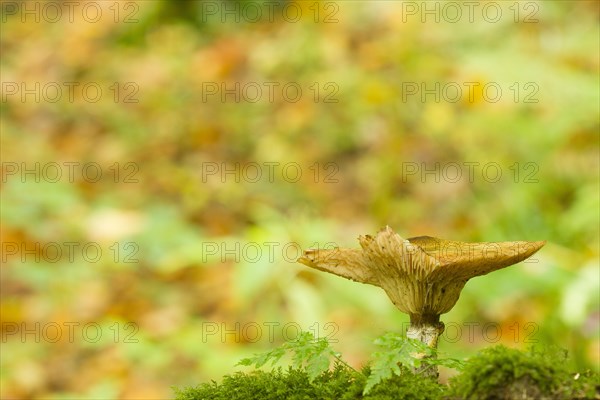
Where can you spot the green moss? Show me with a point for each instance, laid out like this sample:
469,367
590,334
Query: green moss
276,384
339,384
495,373
502,373
406,386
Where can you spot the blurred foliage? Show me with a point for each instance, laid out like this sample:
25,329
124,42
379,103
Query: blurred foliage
164,207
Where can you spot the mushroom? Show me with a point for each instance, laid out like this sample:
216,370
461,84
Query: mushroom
423,276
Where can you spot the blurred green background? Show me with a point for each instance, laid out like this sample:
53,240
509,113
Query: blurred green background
189,250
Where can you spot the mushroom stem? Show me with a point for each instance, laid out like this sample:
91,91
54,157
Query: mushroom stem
427,329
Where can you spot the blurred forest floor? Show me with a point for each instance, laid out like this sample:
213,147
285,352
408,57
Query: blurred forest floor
204,202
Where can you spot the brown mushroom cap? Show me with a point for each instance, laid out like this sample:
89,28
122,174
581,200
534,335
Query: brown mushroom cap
423,276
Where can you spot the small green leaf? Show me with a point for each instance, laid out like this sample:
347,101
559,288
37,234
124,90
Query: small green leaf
245,361
307,352
398,350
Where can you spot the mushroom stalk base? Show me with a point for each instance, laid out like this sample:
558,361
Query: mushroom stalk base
426,329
